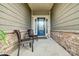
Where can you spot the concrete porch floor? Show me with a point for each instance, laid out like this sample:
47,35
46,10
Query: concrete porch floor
43,47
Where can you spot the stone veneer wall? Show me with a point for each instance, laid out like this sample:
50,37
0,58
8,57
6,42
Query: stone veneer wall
68,40
65,26
12,43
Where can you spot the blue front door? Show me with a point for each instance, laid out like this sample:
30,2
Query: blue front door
40,26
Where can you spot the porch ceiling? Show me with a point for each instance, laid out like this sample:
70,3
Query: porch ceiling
40,7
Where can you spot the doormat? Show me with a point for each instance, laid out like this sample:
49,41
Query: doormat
42,37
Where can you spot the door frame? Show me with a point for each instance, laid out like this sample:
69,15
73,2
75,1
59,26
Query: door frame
38,19
33,25
36,27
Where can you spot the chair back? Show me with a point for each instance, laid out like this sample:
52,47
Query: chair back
18,34
19,40
30,32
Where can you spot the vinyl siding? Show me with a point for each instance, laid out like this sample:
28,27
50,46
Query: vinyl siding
65,17
14,16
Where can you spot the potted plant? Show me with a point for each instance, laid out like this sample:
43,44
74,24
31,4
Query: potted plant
3,40
3,36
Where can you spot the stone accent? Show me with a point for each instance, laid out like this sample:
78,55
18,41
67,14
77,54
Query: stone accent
68,40
12,43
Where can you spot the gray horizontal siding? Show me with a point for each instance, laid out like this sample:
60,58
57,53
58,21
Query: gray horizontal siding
14,16
65,16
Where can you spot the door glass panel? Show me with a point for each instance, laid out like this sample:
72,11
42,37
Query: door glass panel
41,24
